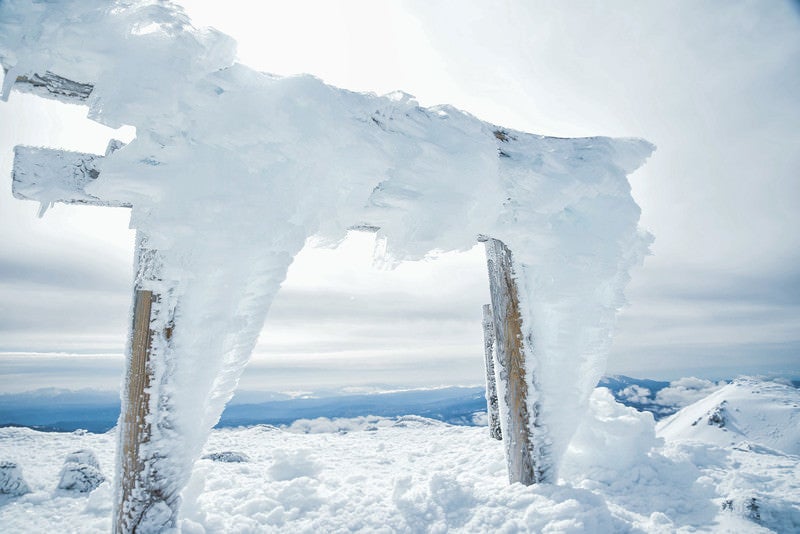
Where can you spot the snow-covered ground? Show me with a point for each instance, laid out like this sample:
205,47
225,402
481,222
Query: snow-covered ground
410,474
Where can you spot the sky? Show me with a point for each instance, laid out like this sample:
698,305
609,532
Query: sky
714,85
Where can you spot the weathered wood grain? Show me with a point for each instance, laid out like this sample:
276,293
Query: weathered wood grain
49,85
135,428
492,407
145,495
521,451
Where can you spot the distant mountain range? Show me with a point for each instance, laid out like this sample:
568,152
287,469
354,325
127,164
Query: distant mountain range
60,409
97,411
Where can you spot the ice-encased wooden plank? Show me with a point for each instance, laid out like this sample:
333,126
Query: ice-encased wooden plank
525,448
146,497
492,409
49,85
48,176
134,424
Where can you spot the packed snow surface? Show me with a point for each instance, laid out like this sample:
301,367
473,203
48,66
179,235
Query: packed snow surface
233,170
411,474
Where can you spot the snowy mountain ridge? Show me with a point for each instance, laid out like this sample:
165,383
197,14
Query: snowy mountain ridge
63,410
744,413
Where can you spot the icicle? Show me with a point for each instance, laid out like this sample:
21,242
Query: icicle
43,207
113,146
10,77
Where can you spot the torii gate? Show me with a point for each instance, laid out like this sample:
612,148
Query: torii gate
140,487
156,444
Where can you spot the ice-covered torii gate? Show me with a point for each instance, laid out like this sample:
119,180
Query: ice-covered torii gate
232,170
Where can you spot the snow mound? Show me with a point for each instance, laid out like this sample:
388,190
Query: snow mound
616,450
747,413
11,481
81,472
83,457
288,465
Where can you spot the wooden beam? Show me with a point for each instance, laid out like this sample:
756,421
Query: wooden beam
134,428
146,499
518,415
50,85
46,175
145,496
492,409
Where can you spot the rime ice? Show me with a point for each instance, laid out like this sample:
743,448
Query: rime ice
232,170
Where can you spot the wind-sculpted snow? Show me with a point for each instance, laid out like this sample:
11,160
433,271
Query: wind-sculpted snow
232,170
11,479
81,472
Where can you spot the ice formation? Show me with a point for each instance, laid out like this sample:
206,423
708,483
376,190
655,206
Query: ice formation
81,472
11,480
232,170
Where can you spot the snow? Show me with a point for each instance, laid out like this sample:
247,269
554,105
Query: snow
413,474
81,472
748,409
11,480
227,456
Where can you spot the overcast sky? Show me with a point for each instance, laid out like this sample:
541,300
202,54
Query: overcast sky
714,85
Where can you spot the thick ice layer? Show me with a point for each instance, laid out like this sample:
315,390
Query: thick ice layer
232,170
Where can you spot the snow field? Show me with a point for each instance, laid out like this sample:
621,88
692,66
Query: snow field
412,474
46,508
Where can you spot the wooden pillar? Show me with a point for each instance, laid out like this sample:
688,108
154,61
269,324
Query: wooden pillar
145,501
147,492
134,427
518,415
492,409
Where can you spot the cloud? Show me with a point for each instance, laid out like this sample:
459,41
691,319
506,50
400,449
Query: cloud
685,391
713,86
30,371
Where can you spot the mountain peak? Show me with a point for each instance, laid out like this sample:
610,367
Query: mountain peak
749,409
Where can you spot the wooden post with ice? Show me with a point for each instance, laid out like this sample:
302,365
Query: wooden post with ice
518,415
492,409
142,494
139,491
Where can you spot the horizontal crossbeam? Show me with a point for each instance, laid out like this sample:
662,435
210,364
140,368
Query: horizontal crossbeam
48,176
49,85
